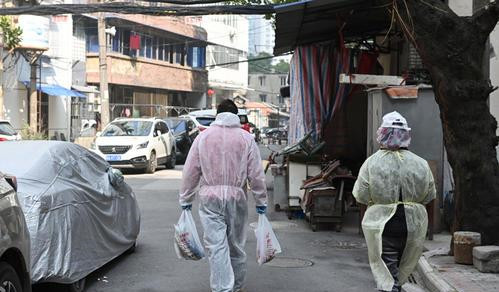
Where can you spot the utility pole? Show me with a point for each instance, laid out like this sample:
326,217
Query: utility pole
104,87
33,98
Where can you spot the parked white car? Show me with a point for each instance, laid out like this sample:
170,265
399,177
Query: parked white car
7,132
136,143
203,118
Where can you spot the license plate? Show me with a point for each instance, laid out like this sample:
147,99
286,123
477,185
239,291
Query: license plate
113,157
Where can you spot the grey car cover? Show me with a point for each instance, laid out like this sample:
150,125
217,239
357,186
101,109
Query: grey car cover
79,211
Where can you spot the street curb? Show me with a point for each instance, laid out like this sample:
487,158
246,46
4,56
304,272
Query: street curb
432,279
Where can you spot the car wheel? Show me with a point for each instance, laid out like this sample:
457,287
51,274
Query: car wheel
172,160
152,163
9,280
78,286
131,249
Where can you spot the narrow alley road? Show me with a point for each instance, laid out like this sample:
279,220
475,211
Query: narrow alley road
339,259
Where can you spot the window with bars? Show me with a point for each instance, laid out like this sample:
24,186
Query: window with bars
223,55
151,47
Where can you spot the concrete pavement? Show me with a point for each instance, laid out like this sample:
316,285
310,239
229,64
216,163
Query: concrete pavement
441,274
339,260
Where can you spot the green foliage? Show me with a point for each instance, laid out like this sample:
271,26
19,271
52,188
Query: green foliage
281,67
260,66
11,33
265,65
28,134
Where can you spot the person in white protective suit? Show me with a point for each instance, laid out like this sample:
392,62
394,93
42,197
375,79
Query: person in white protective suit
395,184
222,161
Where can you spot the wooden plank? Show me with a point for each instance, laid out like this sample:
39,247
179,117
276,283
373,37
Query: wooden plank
371,79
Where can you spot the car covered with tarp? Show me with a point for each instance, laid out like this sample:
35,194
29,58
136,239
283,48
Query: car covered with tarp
80,212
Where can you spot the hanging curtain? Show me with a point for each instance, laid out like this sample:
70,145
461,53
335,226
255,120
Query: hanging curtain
315,91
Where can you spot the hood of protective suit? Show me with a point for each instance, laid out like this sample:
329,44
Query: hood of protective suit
394,132
227,120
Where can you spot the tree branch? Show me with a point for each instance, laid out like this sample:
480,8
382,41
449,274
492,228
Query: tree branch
486,18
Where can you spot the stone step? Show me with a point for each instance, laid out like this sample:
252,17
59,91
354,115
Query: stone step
486,258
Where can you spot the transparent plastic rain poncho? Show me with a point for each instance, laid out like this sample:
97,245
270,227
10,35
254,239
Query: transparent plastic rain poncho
222,161
382,178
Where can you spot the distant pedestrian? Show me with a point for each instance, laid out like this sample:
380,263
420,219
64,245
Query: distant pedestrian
395,184
222,161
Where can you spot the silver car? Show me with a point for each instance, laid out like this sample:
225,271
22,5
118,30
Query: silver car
80,212
14,240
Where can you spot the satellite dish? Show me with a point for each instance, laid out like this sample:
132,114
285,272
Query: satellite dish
111,30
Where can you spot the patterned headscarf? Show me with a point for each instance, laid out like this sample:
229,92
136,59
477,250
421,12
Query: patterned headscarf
393,138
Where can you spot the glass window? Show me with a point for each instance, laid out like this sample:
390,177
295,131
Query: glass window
126,42
6,129
128,128
262,80
243,119
148,48
92,40
205,121
178,54
223,55
163,127
155,48
263,97
181,126
195,57
161,49
116,42
142,50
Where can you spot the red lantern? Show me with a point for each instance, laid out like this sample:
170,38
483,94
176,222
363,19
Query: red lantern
210,92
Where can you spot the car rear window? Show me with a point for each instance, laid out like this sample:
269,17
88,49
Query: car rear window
6,129
244,119
205,121
177,126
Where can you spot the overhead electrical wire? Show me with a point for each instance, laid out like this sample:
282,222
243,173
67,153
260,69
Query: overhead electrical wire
186,2
129,8
245,61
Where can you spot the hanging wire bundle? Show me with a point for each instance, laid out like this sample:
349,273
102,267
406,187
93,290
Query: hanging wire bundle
187,9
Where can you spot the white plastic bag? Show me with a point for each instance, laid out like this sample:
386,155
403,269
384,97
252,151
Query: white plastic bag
267,245
187,243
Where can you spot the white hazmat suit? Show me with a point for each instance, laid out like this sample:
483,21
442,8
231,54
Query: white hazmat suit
386,179
222,161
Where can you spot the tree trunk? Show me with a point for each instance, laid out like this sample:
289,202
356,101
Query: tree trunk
451,48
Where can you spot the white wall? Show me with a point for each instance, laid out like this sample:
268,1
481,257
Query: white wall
57,69
230,31
15,92
462,7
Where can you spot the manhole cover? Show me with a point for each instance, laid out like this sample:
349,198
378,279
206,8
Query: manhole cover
283,262
277,224
341,244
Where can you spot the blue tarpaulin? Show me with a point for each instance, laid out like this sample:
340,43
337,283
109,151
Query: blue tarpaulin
57,90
